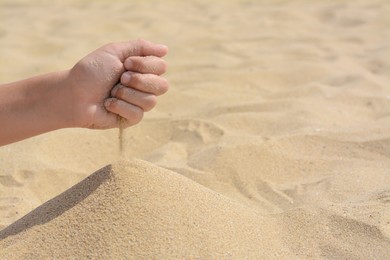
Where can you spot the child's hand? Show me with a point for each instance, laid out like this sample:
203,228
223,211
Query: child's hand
137,65
85,95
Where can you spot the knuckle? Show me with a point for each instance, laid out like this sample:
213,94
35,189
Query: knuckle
141,41
141,44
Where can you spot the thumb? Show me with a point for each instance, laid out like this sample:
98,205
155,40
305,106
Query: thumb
139,47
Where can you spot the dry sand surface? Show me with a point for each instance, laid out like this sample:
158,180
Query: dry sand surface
273,141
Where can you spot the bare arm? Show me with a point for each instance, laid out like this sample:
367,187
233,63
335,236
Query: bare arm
84,95
32,106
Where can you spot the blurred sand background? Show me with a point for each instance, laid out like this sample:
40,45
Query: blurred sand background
273,141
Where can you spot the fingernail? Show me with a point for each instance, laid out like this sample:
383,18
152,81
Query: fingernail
115,89
126,78
128,64
108,102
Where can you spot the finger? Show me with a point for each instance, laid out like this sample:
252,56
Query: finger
143,100
131,113
148,83
148,64
136,48
143,47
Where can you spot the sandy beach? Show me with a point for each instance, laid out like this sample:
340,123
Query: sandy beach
273,141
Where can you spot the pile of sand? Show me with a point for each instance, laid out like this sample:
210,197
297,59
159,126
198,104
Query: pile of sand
134,209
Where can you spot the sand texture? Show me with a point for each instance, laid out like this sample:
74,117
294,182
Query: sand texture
134,209
272,143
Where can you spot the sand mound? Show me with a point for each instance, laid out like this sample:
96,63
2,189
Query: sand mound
134,209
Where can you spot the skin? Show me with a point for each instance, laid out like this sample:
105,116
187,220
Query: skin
86,95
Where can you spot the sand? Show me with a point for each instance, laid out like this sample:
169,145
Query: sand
273,141
135,209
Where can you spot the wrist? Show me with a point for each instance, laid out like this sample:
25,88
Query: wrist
62,100
52,101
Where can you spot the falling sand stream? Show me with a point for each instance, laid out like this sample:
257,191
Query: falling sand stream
120,136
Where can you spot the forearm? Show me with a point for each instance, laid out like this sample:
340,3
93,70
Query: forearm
33,106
